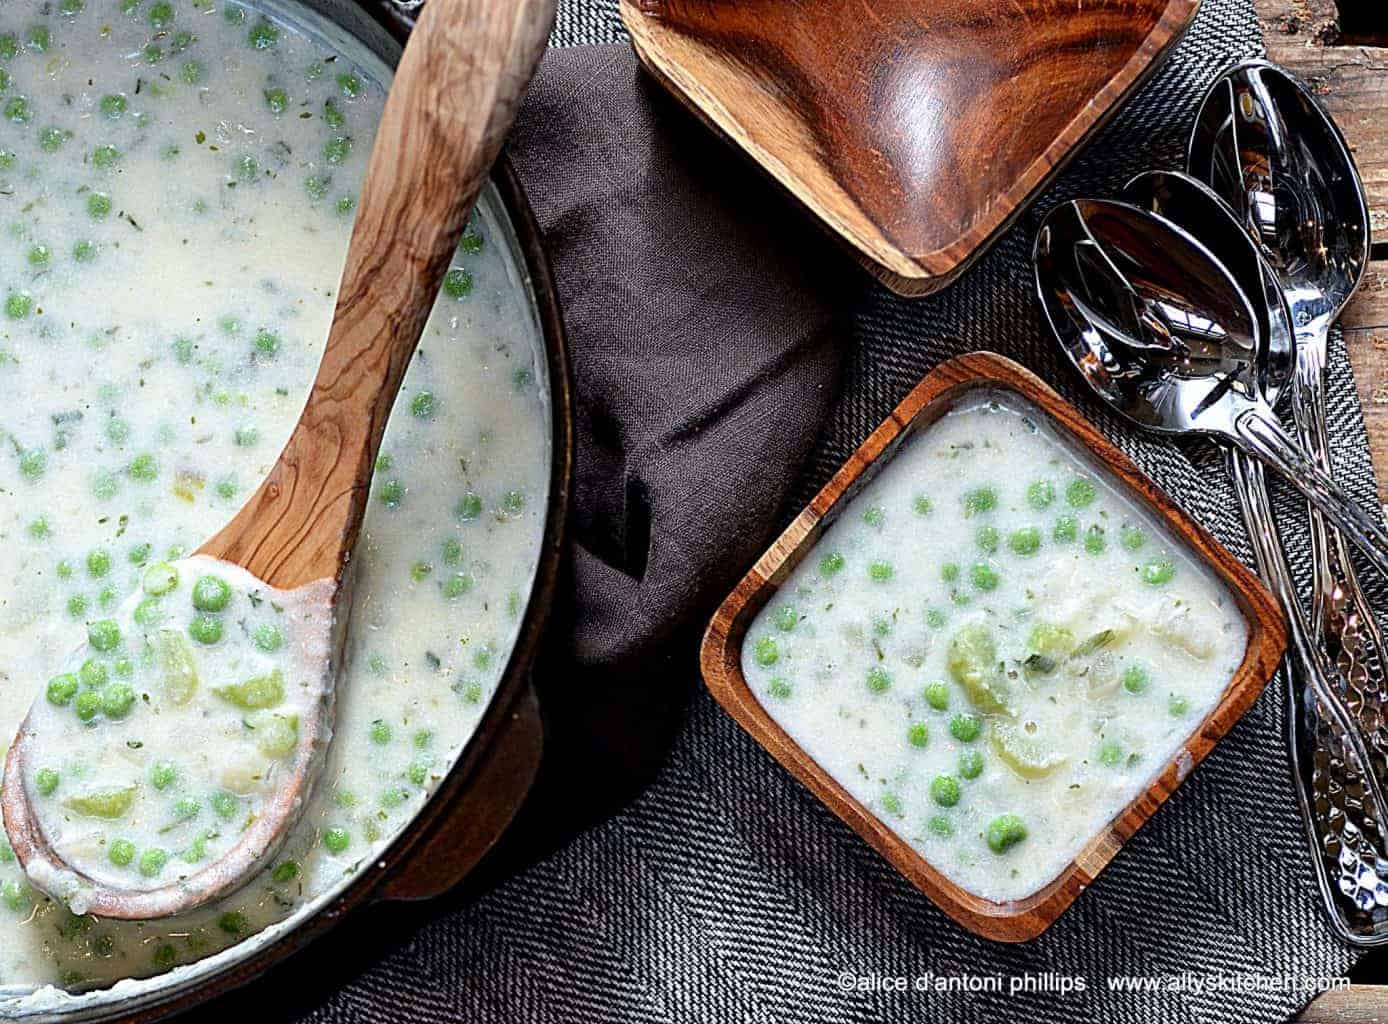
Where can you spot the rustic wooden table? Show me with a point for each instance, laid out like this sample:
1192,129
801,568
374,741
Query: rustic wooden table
1342,49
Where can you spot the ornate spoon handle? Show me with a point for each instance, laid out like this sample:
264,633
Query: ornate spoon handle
1336,796
1341,614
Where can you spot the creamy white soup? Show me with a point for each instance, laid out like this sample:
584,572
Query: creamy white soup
177,183
993,648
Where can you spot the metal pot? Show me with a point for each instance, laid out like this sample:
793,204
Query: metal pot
486,786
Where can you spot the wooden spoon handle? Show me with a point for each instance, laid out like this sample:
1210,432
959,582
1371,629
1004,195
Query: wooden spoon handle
455,94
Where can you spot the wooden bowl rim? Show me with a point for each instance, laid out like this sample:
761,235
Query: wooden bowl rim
912,273
721,662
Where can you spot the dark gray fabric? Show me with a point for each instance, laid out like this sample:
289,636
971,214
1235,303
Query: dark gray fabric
724,891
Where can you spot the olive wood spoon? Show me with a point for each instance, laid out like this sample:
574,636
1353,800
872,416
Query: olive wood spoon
453,99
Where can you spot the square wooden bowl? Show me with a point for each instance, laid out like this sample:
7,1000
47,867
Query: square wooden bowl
914,131
721,654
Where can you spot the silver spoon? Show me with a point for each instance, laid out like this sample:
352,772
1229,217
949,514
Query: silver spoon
1265,145
1332,823
1163,333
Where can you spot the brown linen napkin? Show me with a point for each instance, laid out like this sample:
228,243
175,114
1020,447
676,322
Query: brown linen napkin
700,309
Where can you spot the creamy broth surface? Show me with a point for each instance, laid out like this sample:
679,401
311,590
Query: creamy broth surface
994,649
177,184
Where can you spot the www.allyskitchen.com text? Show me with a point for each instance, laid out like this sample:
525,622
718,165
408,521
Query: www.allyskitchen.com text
1055,983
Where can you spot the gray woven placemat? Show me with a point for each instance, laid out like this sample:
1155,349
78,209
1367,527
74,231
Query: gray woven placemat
726,892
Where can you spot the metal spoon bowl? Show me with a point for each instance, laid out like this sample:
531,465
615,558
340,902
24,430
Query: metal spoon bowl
1162,331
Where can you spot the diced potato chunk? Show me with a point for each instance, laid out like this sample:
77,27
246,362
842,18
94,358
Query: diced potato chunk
180,672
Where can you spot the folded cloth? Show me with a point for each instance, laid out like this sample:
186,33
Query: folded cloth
701,314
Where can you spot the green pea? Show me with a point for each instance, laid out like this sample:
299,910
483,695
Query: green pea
1025,542
380,731
875,516
1135,679
117,699
469,507
345,205
98,563
350,85
160,578
471,242
765,652
424,405
1111,752
949,572
163,774
779,688
1080,493
64,570
964,727
224,804
333,117
1131,537
104,635
891,803
452,551
18,111
77,605
124,667
160,14
205,628
263,36
33,463
16,896
918,734
940,825
335,150
878,680
39,529
1004,832
1040,494
211,594
935,619
987,539
84,251
336,840
152,862
1094,540
153,53
61,689
98,205
1158,571
18,305
51,139
984,576
1177,705
114,105
277,100
267,343
937,695
831,564
267,638
186,809
121,853
880,571
39,255
944,790
93,674
786,618
285,871
979,501
457,585
144,468
1067,529
457,283
922,505
46,781
165,956
87,704
391,493
971,764
418,771
38,38
9,46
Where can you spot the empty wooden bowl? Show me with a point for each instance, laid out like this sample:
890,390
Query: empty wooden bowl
941,390
916,132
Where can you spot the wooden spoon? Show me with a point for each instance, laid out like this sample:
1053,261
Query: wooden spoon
455,94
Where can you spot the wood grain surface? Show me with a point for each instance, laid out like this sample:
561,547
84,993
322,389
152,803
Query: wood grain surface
721,652
916,132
